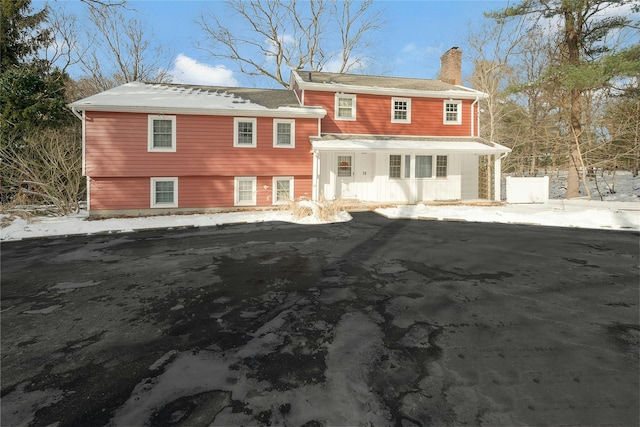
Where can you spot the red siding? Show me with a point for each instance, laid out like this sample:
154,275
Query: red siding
205,161
116,146
194,192
373,116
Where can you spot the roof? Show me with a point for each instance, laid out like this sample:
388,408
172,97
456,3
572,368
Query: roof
317,80
167,98
440,144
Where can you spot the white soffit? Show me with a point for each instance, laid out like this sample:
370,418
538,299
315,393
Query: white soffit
442,146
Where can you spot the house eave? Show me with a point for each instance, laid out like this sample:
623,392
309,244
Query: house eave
283,112
461,93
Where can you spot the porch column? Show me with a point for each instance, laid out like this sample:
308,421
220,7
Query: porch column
314,177
497,177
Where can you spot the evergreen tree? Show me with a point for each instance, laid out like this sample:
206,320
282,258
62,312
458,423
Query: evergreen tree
586,60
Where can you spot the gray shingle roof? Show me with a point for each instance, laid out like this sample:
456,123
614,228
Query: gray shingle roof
268,98
375,81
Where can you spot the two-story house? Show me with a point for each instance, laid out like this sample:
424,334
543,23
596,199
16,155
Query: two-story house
157,148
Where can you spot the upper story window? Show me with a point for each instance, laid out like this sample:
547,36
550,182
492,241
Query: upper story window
284,133
400,110
452,112
161,133
345,107
244,132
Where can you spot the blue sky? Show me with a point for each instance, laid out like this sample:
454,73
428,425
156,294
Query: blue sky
414,36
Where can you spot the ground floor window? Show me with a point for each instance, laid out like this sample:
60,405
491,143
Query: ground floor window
417,166
441,166
424,166
164,192
395,165
245,191
282,189
344,165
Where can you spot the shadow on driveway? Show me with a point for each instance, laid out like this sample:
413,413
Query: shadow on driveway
371,322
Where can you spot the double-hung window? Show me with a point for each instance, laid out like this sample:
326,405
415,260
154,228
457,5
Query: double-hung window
400,110
244,132
161,133
441,166
284,133
164,192
452,112
345,107
245,191
282,189
395,165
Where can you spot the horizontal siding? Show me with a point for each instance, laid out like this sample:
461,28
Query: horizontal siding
373,116
194,192
116,146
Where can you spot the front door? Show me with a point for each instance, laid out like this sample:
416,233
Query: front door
345,176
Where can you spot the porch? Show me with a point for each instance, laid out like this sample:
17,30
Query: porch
403,170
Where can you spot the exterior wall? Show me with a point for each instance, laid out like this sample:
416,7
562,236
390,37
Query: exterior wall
194,192
116,146
373,116
205,161
376,186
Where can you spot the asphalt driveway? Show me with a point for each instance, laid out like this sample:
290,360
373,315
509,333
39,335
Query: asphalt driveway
370,322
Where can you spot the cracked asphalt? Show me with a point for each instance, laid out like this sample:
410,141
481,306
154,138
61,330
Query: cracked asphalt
368,322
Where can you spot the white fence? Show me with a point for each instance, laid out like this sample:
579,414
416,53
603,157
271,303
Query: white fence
527,189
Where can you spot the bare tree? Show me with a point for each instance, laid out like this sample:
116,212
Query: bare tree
275,34
46,170
119,50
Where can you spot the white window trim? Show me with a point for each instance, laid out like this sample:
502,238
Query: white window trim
274,186
254,136
444,112
275,133
154,204
150,146
393,110
236,193
353,106
409,165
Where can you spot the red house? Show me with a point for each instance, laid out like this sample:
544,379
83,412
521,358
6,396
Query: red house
159,148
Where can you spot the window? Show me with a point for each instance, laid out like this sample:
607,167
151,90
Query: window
244,132
344,165
441,166
162,133
400,110
395,165
245,191
282,189
424,166
345,107
452,112
284,133
164,192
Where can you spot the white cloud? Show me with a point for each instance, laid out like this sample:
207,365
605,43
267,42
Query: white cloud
409,48
189,71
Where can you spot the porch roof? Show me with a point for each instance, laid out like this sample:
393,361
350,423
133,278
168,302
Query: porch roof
473,145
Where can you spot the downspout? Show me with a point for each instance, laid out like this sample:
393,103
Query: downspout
473,117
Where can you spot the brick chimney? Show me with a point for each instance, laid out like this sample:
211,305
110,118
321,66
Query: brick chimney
451,66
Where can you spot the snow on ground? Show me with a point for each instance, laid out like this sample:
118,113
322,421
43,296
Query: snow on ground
619,211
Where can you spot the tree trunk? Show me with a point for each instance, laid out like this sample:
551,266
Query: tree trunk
575,97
